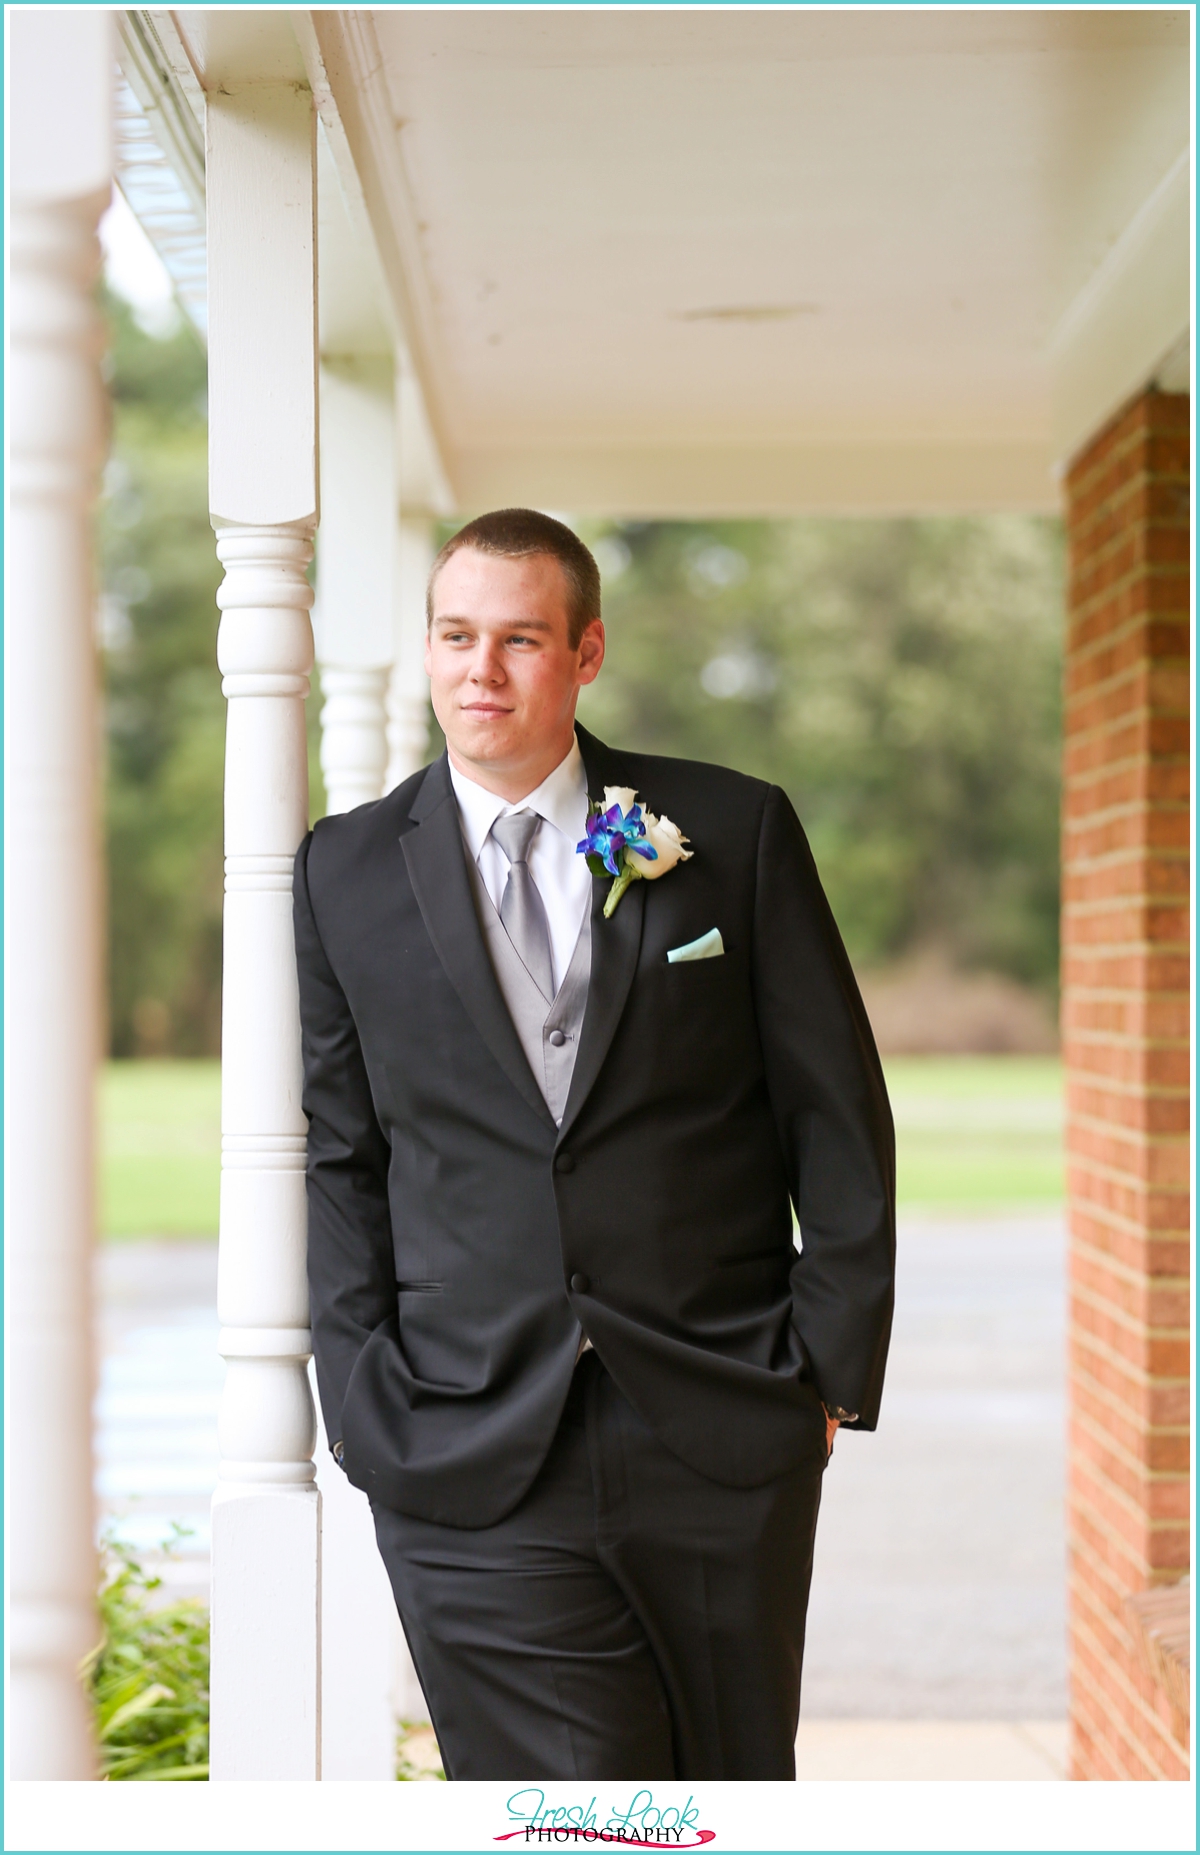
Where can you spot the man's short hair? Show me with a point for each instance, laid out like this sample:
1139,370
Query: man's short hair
516,533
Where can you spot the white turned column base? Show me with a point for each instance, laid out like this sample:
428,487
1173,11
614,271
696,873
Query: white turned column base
265,1690
266,1606
407,732
353,743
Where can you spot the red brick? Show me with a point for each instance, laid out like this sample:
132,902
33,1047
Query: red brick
1126,1020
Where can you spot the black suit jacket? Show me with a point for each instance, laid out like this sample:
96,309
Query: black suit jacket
457,1240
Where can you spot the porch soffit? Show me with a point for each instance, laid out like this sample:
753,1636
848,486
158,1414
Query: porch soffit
682,262
671,259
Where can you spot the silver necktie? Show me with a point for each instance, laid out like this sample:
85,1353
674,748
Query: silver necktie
521,907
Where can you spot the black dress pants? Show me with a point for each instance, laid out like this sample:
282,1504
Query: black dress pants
629,1618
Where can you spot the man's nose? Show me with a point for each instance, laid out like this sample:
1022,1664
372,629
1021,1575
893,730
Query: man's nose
486,666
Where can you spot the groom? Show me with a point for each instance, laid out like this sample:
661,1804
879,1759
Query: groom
567,1337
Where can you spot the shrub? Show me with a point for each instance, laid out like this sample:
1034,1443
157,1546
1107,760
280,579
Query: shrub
148,1678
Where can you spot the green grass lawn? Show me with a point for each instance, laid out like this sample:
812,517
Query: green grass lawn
160,1149
977,1133
973,1133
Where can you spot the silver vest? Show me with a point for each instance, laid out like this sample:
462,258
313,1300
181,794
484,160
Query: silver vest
549,1035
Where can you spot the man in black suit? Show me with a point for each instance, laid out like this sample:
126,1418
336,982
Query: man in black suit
564,1339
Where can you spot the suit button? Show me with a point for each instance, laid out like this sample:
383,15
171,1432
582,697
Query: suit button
564,1163
557,1039
580,1284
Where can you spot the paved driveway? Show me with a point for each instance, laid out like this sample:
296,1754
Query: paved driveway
939,1588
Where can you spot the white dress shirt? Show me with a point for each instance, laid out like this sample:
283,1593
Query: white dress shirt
561,874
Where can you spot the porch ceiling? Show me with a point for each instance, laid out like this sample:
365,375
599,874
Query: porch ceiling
764,260
685,259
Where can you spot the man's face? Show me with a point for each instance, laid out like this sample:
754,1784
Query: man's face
504,677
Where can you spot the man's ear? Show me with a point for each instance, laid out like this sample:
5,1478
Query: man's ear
591,651
428,651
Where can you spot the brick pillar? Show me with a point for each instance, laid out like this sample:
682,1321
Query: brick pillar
1125,1038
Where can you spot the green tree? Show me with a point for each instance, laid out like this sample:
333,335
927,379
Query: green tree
164,711
899,679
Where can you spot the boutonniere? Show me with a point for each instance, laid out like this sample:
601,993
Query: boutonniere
626,841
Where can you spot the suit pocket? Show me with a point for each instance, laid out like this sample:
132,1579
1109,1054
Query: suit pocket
419,1288
685,973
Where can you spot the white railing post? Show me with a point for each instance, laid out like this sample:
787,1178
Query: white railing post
265,1692
61,103
355,575
353,743
408,691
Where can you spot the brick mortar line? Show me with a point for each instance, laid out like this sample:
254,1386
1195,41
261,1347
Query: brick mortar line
1099,906
1136,715
1147,1713
1090,1036
1139,712
1081,1199
1121,447
1087,1346
1093,1123
1150,1478
1112,1582
1096,909
1125,1226
1130,1324
1142,808
1134,536
1091,863
1153,1531
1136,434
1091,1346
1126,1272
1083,609
1174,1233
1116,1405
1099,732
1138,1754
1088,552
1109,1174
1126,1091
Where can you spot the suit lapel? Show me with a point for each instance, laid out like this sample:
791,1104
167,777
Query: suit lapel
437,869
616,944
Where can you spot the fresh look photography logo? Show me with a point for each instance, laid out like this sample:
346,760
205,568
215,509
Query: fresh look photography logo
644,1823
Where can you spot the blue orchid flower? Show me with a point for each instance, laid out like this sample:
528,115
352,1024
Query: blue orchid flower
610,835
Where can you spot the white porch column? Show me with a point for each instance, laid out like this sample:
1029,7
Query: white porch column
408,691
61,88
263,496
355,576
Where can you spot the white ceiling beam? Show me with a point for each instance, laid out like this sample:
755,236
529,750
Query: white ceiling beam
1128,318
345,68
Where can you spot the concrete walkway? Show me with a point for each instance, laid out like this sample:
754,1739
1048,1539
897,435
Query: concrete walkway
936,1642
939,1587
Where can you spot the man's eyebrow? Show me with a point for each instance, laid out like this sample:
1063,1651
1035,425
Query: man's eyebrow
518,624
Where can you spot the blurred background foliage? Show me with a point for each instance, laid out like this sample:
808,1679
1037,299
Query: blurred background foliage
900,680
164,711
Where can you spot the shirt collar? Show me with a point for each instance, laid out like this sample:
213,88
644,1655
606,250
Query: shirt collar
561,800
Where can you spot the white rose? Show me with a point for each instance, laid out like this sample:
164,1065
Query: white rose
624,796
669,842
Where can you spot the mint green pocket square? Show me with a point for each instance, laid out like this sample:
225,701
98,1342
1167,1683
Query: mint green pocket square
709,947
